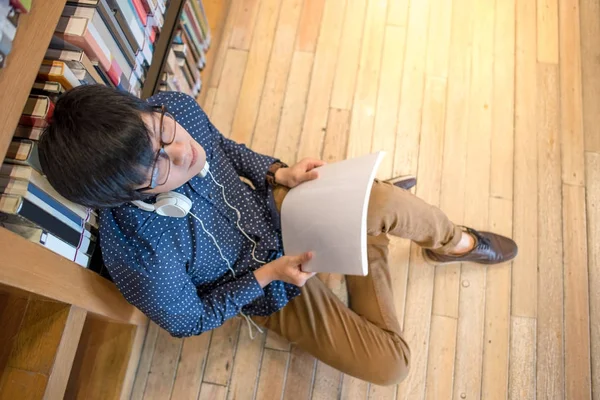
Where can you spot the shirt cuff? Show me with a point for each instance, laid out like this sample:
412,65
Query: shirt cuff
251,287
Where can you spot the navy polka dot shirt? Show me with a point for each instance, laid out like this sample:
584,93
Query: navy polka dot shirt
170,268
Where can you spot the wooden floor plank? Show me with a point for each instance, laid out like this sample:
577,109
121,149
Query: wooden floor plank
388,98
576,308
592,166
276,342
300,373
209,101
571,104
272,375
346,71
319,93
550,367
327,382
188,378
452,200
310,24
141,378
222,51
336,135
494,381
377,392
503,112
589,12
354,388
413,83
227,95
547,31
256,69
365,97
524,277
521,378
246,366
161,375
271,101
294,106
398,13
219,362
440,363
469,344
245,21
210,391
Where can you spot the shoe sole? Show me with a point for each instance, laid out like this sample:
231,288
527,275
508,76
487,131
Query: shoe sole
434,263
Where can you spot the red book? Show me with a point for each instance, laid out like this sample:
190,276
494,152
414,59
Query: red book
22,6
141,12
114,73
146,6
153,35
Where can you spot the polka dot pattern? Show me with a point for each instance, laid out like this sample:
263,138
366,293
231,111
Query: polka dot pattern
169,267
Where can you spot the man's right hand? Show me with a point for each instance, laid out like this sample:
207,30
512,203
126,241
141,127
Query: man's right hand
287,269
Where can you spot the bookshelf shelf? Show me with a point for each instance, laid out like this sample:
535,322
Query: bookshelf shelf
16,79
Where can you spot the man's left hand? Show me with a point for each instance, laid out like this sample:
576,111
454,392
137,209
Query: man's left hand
299,173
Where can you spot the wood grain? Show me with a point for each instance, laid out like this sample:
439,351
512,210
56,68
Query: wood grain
141,377
589,18
327,382
254,75
218,66
377,392
271,101
524,277
245,23
164,366
65,354
521,378
228,92
388,98
576,307
246,366
22,385
190,367
294,106
134,361
319,93
571,97
222,350
440,363
494,380
346,70
354,388
503,112
336,135
309,27
547,31
12,312
411,97
398,13
47,274
276,342
550,350
299,379
210,391
272,374
592,164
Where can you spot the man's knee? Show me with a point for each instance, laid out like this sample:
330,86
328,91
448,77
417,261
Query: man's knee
394,372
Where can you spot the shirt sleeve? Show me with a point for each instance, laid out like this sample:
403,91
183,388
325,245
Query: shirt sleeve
167,295
247,163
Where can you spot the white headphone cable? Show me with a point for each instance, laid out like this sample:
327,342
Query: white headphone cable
215,242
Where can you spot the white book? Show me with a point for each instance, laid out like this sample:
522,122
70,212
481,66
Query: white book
328,216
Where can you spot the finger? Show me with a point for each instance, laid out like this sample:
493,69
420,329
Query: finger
302,258
314,163
308,176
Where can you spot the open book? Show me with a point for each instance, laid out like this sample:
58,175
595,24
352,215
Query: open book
328,216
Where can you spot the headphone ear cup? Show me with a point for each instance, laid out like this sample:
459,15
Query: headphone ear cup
172,204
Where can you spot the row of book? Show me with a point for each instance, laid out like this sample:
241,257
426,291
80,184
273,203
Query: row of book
187,55
9,20
106,42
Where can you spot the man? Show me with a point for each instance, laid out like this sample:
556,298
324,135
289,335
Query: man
105,149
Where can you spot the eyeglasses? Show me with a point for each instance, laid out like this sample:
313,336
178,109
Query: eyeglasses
162,163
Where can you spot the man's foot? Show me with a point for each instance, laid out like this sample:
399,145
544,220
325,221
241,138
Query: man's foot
489,248
405,182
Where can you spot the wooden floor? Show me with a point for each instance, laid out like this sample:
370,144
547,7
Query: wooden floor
495,105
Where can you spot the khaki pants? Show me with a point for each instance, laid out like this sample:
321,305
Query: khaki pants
364,340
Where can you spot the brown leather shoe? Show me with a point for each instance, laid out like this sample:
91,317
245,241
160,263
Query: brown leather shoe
405,182
490,248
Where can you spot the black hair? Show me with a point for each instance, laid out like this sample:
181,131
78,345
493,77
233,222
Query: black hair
97,150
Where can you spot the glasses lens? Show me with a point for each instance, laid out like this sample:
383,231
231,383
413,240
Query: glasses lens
168,128
161,169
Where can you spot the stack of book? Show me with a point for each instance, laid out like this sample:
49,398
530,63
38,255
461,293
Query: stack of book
187,55
9,18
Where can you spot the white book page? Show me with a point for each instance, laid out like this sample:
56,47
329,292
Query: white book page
328,216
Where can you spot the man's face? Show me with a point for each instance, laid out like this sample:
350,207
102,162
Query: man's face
187,157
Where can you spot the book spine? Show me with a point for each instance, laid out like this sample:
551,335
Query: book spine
141,13
131,20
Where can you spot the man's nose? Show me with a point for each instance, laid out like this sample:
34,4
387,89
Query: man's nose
177,152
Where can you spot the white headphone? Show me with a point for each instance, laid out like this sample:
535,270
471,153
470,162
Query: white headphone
171,204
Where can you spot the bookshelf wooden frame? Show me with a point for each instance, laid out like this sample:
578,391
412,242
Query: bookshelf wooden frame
31,274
